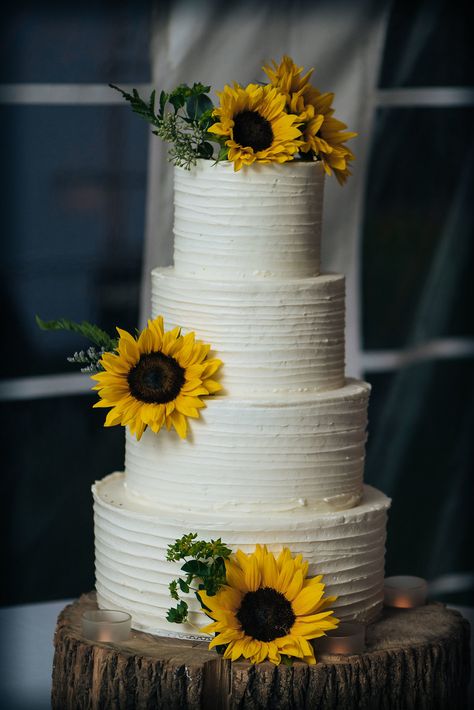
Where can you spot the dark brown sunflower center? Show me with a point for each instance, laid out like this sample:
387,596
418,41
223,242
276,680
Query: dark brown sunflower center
266,614
251,130
156,378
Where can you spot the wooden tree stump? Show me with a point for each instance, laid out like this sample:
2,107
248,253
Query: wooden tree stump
415,659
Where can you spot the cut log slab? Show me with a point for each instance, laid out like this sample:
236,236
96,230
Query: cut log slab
415,659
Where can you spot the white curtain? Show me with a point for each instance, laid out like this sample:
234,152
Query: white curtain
217,44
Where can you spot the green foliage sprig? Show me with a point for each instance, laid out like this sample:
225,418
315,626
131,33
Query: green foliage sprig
206,568
185,126
88,358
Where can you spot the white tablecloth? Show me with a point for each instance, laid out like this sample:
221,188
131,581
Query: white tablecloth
26,654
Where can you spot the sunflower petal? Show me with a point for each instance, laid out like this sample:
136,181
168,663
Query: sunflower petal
225,637
261,654
285,576
113,418
235,576
289,646
212,386
178,420
227,598
209,367
273,653
270,571
307,600
284,555
295,585
252,575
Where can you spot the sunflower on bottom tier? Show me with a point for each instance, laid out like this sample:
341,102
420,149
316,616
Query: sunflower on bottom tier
156,379
268,608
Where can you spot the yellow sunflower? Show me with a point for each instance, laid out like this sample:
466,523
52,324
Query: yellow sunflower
254,125
268,608
286,77
323,135
155,379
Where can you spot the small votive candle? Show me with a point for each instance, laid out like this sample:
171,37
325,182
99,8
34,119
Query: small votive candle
405,592
106,625
347,640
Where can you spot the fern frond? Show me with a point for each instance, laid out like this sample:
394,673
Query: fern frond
87,330
142,108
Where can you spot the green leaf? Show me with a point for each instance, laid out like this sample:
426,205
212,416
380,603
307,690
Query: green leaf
206,120
196,568
180,548
196,106
151,103
178,96
206,568
220,566
179,614
206,150
87,330
173,587
223,153
212,585
183,585
139,106
198,88
163,100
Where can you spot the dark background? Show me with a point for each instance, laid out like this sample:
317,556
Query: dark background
74,180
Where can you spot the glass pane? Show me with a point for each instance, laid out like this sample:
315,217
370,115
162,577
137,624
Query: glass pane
420,452
74,178
418,252
47,524
98,42
428,44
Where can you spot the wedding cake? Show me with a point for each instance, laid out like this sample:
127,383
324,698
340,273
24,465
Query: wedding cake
277,456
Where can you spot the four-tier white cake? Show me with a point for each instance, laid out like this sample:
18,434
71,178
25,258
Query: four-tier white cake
277,457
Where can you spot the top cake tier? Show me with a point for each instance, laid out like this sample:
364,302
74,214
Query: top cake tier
257,222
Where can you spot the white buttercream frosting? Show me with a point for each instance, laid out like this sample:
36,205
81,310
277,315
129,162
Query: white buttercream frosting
268,455
132,536
278,457
271,334
262,220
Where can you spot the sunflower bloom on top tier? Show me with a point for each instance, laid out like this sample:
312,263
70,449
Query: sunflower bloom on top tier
156,379
254,125
286,77
323,135
268,608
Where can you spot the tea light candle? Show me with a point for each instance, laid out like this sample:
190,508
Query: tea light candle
348,639
106,625
405,592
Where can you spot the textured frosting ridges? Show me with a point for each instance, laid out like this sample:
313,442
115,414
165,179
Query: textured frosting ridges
271,334
277,458
305,450
262,220
132,537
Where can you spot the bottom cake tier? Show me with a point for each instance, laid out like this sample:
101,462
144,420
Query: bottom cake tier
131,540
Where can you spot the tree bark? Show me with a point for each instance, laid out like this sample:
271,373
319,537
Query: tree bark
415,659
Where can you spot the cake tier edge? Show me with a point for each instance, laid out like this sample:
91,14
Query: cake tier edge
271,334
132,573
260,454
